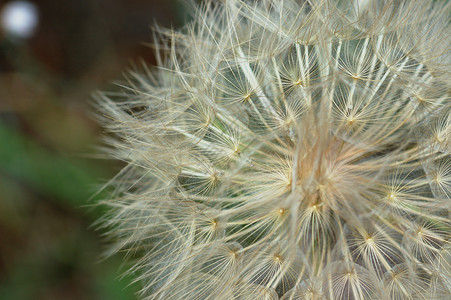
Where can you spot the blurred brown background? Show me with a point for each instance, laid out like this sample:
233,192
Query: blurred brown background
48,246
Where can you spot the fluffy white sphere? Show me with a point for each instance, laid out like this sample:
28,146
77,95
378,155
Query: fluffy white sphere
289,149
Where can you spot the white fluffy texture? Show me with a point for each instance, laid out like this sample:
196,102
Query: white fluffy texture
289,150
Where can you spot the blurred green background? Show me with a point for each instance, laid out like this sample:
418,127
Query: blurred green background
48,170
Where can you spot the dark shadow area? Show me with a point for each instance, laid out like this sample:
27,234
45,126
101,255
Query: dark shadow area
48,170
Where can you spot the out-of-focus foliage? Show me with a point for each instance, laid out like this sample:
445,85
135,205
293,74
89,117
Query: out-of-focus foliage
48,162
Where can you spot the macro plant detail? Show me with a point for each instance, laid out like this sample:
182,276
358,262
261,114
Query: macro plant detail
288,150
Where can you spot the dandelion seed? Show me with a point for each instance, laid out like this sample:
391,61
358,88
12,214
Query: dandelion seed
288,150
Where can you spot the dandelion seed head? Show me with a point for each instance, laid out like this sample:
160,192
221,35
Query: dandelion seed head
288,150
